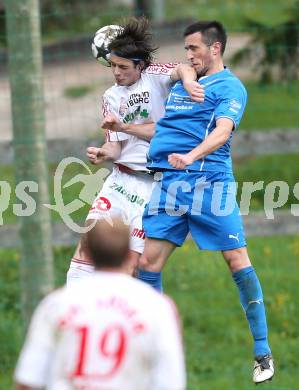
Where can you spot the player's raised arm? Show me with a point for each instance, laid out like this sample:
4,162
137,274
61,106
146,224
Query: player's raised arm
214,141
188,75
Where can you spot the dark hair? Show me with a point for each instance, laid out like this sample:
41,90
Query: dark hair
134,42
212,31
108,244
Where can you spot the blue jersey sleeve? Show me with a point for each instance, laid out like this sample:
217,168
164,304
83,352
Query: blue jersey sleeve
232,102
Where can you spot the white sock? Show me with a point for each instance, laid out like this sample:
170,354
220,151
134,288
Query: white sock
78,271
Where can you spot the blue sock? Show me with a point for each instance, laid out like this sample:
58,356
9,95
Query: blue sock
251,297
154,279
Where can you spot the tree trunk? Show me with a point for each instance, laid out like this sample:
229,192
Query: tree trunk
25,69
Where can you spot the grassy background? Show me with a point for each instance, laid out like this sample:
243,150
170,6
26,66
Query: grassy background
217,341
271,106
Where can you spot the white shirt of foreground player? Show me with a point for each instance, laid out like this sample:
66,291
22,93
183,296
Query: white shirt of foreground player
108,332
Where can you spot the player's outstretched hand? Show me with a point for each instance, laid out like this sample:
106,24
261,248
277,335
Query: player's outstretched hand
112,123
179,161
97,155
195,90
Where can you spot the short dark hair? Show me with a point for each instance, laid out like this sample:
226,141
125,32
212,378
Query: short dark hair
212,31
108,243
134,42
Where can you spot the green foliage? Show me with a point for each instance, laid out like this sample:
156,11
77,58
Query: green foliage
217,340
78,91
273,45
231,13
10,314
271,106
62,19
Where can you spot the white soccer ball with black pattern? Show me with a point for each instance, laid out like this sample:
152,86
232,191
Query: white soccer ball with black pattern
101,41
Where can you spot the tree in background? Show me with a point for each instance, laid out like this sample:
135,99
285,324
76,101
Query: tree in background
273,50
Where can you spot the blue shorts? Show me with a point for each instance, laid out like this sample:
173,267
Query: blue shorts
202,203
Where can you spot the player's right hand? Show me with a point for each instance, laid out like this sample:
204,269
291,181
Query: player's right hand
96,155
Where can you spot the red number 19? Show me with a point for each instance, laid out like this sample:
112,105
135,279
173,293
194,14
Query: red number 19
112,345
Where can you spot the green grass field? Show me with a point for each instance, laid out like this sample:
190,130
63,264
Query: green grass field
266,111
217,342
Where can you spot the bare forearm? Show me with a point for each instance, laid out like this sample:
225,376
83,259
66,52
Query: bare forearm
113,149
109,151
214,141
183,72
144,131
188,76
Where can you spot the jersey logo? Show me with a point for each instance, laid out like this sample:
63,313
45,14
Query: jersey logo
102,204
234,106
132,115
144,113
258,301
138,233
133,198
236,237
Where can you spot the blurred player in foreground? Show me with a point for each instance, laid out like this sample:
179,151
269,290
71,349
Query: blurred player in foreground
197,192
130,109
121,336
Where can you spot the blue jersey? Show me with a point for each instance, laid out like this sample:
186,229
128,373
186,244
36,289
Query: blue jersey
187,123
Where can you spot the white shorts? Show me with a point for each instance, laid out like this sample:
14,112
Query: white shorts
125,195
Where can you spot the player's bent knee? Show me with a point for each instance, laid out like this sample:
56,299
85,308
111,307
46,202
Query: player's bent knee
237,259
143,262
152,265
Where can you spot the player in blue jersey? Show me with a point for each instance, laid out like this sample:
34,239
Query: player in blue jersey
197,191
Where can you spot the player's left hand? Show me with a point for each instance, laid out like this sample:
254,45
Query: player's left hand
179,161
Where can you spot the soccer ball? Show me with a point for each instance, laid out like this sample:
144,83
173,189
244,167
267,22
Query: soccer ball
101,41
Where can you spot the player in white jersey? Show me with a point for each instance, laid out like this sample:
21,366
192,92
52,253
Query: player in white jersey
122,336
130,110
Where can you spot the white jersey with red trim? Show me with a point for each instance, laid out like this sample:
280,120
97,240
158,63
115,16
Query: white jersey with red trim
142,102
124,195
121,336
